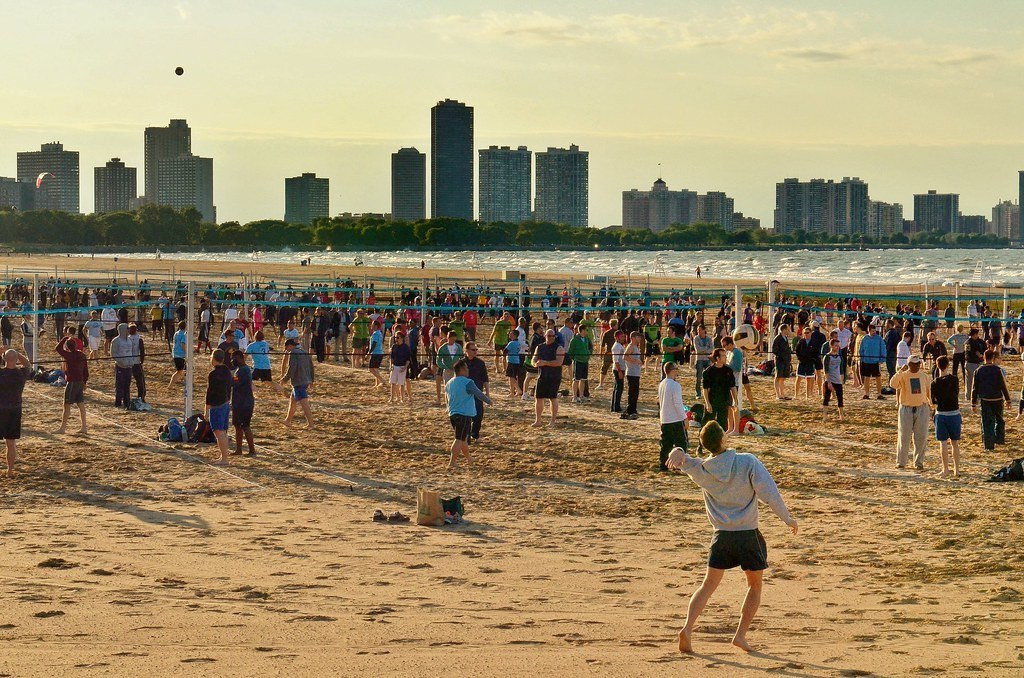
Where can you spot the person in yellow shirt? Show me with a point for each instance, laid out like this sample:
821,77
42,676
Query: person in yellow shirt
913,393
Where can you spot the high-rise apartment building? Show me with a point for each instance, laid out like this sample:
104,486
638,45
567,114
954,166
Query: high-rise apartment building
823,206
451,160
163,143
115,187
16,194
884,219
975,224
935,211
562,192
306,198
658,208
56,172
715,207
187,181
1005,221
408,185
506,177
742,223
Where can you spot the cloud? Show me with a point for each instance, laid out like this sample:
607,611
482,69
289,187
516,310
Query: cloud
184,10
818,55
963,58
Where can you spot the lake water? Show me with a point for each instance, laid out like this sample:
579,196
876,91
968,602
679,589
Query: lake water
937,267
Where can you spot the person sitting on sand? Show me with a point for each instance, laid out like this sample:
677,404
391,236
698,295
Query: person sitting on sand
14,373
732,483
77,373
462,395
298,369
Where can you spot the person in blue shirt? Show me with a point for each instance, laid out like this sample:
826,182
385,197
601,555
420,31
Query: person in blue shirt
462,395
259,349
872,353
376,354
514,368
179,350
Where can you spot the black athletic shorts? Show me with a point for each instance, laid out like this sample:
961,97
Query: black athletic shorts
463,426
376,360
179,364
783,370
262,375
110,334
870,370
241,417
10,424
514,370
742,548
548,387
74,392
580,370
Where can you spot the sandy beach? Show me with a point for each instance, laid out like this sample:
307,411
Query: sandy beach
128,556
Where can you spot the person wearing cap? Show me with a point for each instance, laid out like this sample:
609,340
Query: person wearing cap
913,393
732,484
297,369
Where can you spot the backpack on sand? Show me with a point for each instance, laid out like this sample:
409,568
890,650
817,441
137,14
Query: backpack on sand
197,430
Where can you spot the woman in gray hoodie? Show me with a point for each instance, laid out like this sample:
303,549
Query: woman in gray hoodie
732,483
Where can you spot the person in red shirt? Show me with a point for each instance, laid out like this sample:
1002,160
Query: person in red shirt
76,369
470,318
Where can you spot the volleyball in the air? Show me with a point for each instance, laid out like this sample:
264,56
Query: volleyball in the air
747,337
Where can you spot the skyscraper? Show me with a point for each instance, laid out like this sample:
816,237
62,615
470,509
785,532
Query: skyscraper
56,192
935,211
306,198
884,219
563,186
835,208
187,181
505,181
715,207
163,143
408,185
451,160
658,208
16,194
115,186
1005,220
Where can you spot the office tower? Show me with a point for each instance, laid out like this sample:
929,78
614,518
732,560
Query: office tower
163,143
505,181
937,212
715,207
451,160
115,187
56,172
1005,221
16,194
187,181
658,208
408,185
884,219
306,198
823,206
562,193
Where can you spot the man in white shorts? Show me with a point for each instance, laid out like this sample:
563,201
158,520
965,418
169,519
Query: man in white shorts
94,333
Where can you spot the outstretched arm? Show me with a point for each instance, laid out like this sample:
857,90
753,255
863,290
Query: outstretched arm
768,492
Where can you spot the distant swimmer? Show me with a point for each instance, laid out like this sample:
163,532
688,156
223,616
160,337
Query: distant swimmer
698,273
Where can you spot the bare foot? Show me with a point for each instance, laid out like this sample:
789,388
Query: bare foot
684,641
536,424
552,423
287,422
220,462
81,432
742,644
61,431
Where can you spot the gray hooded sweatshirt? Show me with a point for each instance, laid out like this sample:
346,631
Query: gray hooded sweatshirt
732,484
121,348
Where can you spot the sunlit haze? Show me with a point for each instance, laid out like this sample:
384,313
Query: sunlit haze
726,96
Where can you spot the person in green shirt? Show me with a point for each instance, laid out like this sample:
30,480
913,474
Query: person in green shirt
587,326
499,339
652,336
580,350
458,326
672,347
447,355
360,330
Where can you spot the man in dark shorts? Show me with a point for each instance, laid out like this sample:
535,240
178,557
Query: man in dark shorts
732,483
462,394
782,350
77,373
218,402
15,372
242,403
298,369
548,358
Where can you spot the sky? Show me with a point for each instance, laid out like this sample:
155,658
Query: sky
731,96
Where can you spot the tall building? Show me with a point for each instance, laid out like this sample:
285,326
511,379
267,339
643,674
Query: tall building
562,193
115,187
16,194
975,224
835,208
506,176
451,160
937,212
163,143
408,185
1020,201
187,181
742,223
56,172
884,219
715,207
306,198
1006,221
658,208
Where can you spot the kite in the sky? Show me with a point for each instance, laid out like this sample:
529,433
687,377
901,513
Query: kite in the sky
43,175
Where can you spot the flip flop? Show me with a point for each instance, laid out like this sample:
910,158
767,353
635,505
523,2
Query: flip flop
379,517
397,517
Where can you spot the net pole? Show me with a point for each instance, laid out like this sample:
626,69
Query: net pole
33,326
1006,303
190,328
737,300
423,306
772,292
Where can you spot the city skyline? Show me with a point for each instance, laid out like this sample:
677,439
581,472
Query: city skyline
922,102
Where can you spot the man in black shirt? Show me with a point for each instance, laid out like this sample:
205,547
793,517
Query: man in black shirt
974,352
990,388
13,375
948,422
719,383
478,373
782,350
